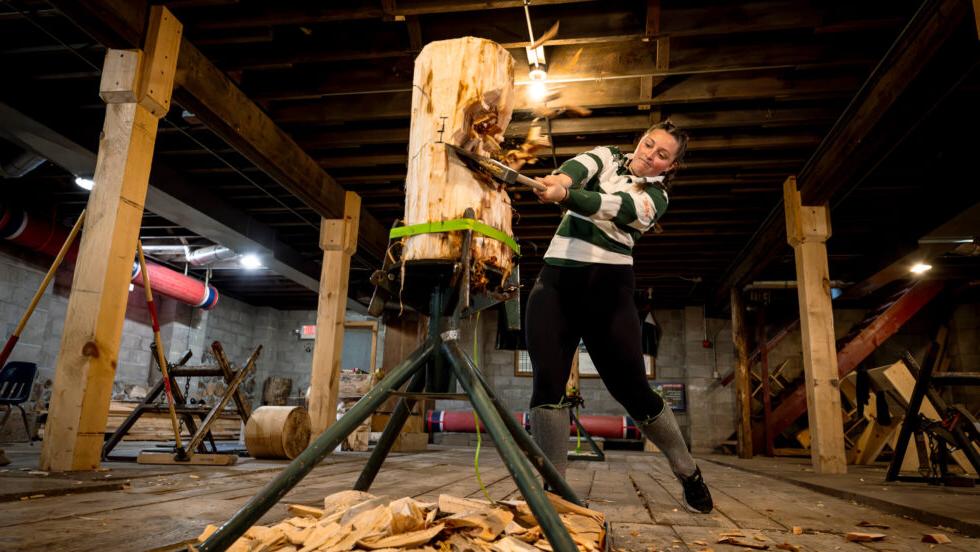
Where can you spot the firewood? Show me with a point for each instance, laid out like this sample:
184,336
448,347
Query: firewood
490,523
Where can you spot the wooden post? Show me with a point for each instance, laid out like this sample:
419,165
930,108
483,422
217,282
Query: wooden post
338,239
807,230
743,393
86,363
762,346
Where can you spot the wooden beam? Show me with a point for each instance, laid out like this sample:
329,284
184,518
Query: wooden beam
207,92
743,395
855,143
764,378
86,361
619,92
807,231
338,239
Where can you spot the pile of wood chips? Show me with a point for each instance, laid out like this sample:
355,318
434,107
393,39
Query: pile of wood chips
353,520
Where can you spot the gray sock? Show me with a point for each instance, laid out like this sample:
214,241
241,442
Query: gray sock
664,432
549,427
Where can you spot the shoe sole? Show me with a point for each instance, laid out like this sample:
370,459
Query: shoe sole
694,510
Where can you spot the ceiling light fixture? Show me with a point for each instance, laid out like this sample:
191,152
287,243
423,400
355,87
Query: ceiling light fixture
920,268
538,66
250,261
84,183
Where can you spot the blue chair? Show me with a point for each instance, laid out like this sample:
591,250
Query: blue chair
16,381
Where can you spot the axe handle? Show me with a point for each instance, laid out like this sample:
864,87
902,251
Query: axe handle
534,184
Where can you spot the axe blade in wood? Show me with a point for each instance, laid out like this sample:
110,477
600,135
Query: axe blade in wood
496,169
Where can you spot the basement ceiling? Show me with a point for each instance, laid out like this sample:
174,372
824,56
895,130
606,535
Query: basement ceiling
758,85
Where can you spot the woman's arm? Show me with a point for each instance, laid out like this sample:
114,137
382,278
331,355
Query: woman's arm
638,209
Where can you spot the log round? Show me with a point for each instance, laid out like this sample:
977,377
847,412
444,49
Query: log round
463,94
277,431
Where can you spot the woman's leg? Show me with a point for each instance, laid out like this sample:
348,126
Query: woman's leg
552,337
614,343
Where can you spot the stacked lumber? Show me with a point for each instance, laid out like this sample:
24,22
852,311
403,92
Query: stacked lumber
156,426
354,520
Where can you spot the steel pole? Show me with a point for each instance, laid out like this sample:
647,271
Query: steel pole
518,465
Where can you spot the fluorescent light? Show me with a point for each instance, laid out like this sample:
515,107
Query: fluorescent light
84,183
250,261
920,268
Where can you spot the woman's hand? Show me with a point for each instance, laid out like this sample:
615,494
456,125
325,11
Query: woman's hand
556,190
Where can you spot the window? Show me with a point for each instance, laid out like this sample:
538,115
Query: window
586,369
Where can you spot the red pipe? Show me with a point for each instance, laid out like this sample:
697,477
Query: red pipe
46,236
461,421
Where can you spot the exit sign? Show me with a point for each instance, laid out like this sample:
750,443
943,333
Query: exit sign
307,332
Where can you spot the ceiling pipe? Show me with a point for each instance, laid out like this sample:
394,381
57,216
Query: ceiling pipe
44,235
209,255
788,284
24,163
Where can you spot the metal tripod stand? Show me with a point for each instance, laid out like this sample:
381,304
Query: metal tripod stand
428,368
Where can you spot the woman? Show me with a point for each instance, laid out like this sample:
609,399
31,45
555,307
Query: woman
585,291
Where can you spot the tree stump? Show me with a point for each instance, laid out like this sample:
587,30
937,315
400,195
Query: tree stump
463,94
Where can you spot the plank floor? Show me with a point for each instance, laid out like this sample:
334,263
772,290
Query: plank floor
133,507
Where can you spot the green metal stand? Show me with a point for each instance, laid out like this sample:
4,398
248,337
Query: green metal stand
428,368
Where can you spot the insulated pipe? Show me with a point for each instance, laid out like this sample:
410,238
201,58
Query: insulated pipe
461,421
46,236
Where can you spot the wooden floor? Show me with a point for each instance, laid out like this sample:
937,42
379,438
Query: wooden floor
132,507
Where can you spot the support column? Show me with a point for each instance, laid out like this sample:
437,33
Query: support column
807,230
86,363
338,239
743,390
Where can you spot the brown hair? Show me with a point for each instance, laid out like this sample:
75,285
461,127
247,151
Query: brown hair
682,138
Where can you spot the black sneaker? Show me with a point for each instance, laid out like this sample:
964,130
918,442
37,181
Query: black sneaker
697,498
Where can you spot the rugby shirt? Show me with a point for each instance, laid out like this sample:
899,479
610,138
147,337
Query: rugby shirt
608,209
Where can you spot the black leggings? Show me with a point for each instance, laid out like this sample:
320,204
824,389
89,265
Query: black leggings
593,303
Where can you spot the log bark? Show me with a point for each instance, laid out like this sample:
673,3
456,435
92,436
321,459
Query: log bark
463,94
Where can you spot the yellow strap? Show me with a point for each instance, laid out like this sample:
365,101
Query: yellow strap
455,225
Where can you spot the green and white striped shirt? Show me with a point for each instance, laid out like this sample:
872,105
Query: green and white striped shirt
608,209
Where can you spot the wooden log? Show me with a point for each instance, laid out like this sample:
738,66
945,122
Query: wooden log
96,310
463,94
807,230
277,432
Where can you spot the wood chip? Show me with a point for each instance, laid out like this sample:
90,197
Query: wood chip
454,505
208,531
797,530
788,546
303,510
510,544
864,537
872,524
936,538
548,35
413,539
736,542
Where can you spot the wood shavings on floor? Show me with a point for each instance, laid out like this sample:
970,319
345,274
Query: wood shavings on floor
354,520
